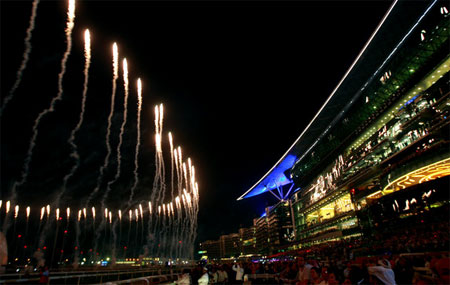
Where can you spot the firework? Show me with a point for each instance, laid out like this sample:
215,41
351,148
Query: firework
138,142
108,130
42,213
16,211
122,130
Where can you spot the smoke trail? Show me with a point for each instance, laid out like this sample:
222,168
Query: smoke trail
26,54
71,141
26,166
108,130
138,142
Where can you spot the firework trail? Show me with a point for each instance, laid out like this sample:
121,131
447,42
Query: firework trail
141,211
138,143
108,130
157,180
71,141
114,247
26,55
36,240
180,223
16,214
77,239
46,228
122,130
136,248
93,218
129,228
28,217
161,159
65,233
119,156
26,166
171,164
56,236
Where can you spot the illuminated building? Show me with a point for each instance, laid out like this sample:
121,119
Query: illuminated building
230,245
211,248
378,150
247,239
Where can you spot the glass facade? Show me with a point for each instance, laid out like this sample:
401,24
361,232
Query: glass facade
398,140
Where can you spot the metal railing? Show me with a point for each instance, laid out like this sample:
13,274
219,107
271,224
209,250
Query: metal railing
99,277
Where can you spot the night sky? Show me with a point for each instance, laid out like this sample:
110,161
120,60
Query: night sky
239,82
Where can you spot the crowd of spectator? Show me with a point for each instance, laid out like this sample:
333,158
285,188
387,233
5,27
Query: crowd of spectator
418,255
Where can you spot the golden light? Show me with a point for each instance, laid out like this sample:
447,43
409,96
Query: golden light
427,173
139,86
115,60
28,212
16,211
161,116
42,213
87,44
140,211
171,142
71,13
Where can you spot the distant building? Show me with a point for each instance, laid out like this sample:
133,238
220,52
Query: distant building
211,248
229,245
247,239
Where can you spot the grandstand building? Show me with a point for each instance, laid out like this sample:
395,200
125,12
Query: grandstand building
377,153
